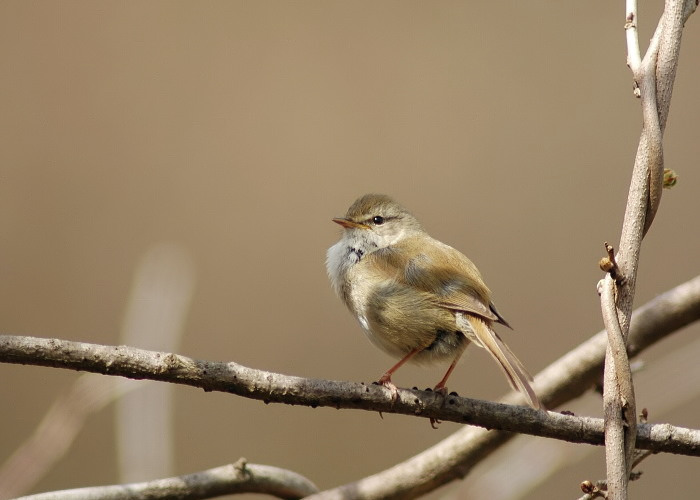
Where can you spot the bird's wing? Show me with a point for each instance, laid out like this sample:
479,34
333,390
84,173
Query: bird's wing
447,275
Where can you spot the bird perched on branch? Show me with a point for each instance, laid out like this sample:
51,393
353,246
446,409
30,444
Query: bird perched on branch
416,298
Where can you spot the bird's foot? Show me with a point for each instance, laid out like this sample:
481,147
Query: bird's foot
385,380
442,390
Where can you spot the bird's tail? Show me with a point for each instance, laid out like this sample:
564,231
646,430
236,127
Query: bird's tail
515,372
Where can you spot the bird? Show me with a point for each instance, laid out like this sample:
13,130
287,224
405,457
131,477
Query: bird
416,298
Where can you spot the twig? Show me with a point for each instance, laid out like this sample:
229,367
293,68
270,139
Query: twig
634,57
609,265
599,489
240,477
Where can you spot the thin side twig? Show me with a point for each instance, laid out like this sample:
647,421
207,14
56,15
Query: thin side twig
599,489
609,265
634,57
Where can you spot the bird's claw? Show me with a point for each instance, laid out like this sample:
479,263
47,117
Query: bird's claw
434,422
441,390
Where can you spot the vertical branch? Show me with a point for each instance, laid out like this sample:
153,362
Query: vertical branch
653,77
618,398
634,57
675,18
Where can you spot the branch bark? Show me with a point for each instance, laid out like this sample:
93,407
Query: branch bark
240,477
570,376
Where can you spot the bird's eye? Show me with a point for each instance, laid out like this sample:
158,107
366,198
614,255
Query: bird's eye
378,220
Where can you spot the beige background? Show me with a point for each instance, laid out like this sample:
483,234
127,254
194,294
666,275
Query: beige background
238,129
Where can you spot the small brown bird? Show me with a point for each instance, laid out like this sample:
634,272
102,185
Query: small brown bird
417,298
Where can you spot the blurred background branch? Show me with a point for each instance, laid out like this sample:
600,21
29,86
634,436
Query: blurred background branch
155,319
158,304
237,478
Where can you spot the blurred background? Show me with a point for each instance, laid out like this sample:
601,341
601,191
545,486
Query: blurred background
232,132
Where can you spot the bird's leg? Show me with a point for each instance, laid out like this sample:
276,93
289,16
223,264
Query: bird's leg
441,387
385,379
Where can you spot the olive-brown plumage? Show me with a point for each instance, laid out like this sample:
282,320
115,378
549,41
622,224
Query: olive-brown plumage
417,298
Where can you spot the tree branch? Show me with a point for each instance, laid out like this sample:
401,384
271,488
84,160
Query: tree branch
570,376
618,395
654,77
277,388
240,477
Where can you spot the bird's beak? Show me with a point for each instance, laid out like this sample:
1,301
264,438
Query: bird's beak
349,224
